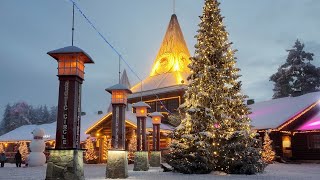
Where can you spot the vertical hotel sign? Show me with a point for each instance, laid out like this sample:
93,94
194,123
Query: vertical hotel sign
65,113
78,119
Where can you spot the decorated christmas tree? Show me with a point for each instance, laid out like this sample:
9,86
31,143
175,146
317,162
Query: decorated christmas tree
132,146
106,147
90,154
23,149
268,154
214,133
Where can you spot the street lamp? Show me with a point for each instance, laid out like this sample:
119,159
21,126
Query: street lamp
117,165
71,60
141,161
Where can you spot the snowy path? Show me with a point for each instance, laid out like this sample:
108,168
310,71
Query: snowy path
97,172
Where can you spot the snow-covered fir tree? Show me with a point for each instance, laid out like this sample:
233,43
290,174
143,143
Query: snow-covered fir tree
214,133
297,75
90,154
174,119
24,150
21,113
267,154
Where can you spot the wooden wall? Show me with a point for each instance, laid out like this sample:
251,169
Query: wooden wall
301,149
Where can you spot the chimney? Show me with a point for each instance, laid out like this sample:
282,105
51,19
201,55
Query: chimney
250,101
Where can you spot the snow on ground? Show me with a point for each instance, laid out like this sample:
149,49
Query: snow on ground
97,172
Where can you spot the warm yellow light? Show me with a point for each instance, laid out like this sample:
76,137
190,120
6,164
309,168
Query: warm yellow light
119,97
71,65
156,120
141,111
6,145
97,134
286,142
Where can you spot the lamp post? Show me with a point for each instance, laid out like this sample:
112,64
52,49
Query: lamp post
67,151
117,165
141,161
155,159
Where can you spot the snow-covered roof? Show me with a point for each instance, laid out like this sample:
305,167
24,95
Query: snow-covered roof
273,113
141,104
118,87
23,133
131,118
70,49
160,82
312,124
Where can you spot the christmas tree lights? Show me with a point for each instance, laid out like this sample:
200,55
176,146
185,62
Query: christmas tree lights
214,133
23,149
267,154
90,154
1,148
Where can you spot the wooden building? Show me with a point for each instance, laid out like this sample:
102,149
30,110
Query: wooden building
293,123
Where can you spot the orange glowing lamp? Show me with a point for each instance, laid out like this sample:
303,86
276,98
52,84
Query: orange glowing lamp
141,108
119,94
71,61
156,117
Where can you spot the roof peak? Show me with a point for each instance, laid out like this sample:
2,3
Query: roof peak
173,55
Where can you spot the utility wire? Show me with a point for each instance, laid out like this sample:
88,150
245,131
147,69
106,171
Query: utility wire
113,48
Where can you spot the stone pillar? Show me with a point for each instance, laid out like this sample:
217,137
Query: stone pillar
65,165
117,164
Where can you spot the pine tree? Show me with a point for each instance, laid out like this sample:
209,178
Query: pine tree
297,75
90,154
214,133
23,149
268,154
132,146
53,114
6,120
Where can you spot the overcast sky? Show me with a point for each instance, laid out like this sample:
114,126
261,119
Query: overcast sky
261,30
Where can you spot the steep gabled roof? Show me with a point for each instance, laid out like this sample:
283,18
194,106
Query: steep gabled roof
130,119
170,66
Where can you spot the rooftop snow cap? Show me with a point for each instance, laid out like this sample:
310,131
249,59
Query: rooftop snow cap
118,87
70,50
141,104
155,114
